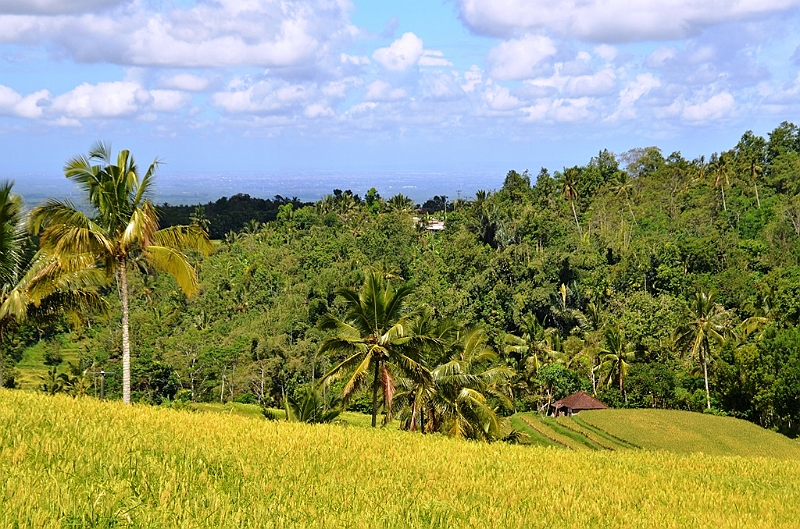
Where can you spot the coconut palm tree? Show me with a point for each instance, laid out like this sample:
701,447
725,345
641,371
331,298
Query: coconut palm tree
616,355
532,347
704,321
39,289
622,186
569,185
122,226
375,335
468,386
719,168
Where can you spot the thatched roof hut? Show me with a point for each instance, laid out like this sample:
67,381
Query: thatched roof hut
574,403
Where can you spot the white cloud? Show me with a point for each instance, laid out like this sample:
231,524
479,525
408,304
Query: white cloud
715,107
518,58
611,20
400,54
103,100
30,106
632,93
433,58
499,98
472,78
606,52
185,81
266,33
566,110
383,91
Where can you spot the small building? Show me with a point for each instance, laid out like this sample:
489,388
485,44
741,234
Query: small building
574,403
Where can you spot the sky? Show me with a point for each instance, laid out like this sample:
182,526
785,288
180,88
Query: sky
389,85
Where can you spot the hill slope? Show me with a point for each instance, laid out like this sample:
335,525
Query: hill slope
81,463
687,432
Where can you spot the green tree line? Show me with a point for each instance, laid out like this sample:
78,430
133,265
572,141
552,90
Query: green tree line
646,278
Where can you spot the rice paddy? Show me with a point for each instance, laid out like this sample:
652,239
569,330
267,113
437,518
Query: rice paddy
82,463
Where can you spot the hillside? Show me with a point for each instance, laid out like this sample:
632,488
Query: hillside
653,429
687,432
79,463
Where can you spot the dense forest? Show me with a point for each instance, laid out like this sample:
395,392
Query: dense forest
645,278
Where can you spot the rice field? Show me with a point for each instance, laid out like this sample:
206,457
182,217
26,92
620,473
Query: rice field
84,463
685,432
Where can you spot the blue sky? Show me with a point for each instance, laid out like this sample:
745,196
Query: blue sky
333,85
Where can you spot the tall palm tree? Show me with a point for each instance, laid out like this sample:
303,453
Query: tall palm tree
704,321
622,186
569,185
375,335
616,355
719,168
755,171
122,226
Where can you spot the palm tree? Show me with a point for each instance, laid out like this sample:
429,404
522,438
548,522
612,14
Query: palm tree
468,386
755,171
704,319
375,334
719,168
622,186
616,355
123,226
12,239
39,289
569,185
532,347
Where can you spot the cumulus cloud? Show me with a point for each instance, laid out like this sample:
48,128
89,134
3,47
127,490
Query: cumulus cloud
715,107
611,20
500,98
564,110
267,33
103,100
30,106
400,54
518,58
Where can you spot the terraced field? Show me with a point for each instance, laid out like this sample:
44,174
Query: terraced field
668,430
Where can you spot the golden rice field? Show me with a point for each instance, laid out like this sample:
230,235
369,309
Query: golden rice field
84,463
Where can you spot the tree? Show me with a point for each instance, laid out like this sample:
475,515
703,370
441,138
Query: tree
467,388
122,227
375,334
11,249
719,168
616,355
704,320
532,347
569,186
622,186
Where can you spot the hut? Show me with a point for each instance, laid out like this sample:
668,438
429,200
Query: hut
574,403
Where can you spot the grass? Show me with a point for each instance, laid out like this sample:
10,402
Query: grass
84,463
686,432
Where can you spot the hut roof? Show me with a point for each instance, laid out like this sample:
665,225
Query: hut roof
580,401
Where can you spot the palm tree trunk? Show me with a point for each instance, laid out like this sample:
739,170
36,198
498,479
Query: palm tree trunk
631,210
758,201
575,214
724,205
126,343
705,377
375,395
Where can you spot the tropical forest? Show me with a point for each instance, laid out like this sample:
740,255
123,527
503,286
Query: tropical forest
667,288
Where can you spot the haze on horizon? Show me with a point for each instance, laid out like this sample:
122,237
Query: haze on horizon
339,86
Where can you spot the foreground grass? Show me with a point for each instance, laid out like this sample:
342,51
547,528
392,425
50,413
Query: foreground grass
685,432
84,463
